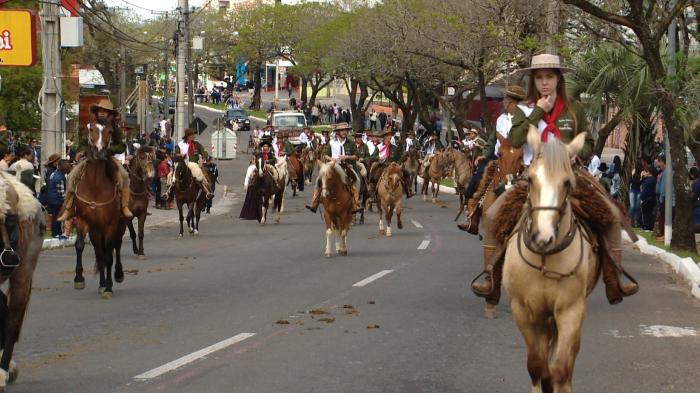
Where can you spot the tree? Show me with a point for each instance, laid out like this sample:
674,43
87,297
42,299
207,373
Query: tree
649,22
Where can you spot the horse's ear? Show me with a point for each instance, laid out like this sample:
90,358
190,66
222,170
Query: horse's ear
577,144
533,138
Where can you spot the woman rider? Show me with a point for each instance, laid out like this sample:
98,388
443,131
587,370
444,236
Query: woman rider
555,116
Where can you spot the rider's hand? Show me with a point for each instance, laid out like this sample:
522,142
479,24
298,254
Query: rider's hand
546,103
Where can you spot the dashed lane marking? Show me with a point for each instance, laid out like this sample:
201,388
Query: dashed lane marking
424,244
416,224
371,278
187,359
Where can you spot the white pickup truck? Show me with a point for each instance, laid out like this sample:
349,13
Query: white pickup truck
291,122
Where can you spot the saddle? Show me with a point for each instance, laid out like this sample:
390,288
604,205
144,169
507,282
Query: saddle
349,171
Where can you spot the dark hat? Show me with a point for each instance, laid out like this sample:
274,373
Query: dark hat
265,142
103,103
515,91
269,127
385,132
358,135
342,126
325,131
189,131
53,158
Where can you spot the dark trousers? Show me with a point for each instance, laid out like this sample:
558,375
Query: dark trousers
157,189
476,179
56,226
648,214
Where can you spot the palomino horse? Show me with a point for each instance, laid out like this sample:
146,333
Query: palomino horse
294,168
16,203
464,169
187,191
141,171
434,175
390,193
550,267
270,185
308,160
337,201
98,209
412,167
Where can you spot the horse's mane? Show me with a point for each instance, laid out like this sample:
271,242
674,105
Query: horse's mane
556,160
325,171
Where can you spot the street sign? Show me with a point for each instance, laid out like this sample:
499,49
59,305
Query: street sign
17,38
198,125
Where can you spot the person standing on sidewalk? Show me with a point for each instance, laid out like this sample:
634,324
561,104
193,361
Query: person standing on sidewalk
162,174
55,194
647,198
213,172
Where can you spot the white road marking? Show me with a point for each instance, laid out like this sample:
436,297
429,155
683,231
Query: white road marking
416,224
372,278
175,364
667,331
424,244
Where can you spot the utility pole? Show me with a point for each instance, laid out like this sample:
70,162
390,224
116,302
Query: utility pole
552,26
122,79
52,114
182,44
189,70
166,64
668,171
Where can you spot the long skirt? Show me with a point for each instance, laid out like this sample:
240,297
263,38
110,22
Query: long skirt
251,206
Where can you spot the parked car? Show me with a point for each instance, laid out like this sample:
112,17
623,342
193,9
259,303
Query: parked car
171,104
239,116
291,122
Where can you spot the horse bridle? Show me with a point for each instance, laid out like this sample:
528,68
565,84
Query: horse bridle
525,238
143,177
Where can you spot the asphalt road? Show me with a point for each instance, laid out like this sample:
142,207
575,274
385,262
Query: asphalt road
415,328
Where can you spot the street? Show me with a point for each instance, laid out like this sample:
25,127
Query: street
395,315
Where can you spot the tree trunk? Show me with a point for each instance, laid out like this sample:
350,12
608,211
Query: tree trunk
357,103
604,132
484,102
304,95
257,83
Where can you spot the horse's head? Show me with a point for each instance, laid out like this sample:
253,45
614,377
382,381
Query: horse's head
180,170
510,159
394,175
99,136
141,164
551,179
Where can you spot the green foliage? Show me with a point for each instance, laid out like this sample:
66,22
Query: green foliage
18,97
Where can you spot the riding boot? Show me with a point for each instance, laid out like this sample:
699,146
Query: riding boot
315,200
66,212
473,215
615,291
124,200
484,288
356,206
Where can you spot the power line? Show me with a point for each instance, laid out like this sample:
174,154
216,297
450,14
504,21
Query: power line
141,7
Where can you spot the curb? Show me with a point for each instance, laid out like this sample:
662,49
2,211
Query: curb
200,106
443,189
55,243
685,267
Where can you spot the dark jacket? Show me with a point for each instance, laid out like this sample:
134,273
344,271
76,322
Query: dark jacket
56,188
648,188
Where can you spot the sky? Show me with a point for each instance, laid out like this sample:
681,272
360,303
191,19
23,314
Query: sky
146,6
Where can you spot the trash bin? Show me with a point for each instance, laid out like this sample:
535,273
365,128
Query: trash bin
224,144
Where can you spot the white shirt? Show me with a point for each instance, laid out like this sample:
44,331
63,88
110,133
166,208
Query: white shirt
184,147
409,143
371,147
527,150
323,139
503,125
303,138
373,116
337,148
257,132
248,175
430,149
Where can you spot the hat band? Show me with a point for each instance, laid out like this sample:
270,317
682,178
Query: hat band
546,65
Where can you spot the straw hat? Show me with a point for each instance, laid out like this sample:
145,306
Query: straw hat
385,132
342,126
546,61
515,91
103,103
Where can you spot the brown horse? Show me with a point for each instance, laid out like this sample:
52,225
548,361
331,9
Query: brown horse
464,169
188,192
308,159
412,166
294,168
141,172
270,185
390,193
18,261
98,209
550,268
434,175
337,201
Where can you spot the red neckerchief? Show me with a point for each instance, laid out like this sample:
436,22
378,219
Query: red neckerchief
279,149
383,152
190,148
552,119
264,156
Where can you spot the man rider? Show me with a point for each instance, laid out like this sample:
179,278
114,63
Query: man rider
192,151
343,150
431,147
101,111
385,153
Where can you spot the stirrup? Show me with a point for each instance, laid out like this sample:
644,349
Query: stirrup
621,286
313,209
482,294
9,253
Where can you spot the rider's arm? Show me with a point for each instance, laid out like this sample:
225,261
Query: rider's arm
521,125
583,126
203,154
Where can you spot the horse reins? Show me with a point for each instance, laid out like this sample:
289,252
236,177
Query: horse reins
143,177
93,204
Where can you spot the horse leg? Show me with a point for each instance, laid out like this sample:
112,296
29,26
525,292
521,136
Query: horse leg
399,224
338,245
118,268
435,189
569,321
199,206
537,343
190,217
329,234
108,255
132,235
265,204
142,223
179,210
343,242
381,218
19,289
79,280
388,212
424,189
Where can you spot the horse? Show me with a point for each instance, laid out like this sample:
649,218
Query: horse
294,167
98,209
412,166
435,173
390,194
141,172
464,169
187,191
308,160
270,184
550,267
337,201
18,204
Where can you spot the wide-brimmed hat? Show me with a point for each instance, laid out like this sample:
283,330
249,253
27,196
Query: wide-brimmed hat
189,131
385,132
52,158
265,142
515,91
325,131
357,134
69,143
545,61
103,103
342,126
268,127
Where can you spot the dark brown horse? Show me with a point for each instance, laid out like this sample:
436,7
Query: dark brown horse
141,172
187,191
98,210
294,169
270,185
17,267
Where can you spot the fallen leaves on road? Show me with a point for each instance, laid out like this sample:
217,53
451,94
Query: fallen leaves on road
327,319
131,271
371,302
375,326
352,312
283,322
348,306
318,311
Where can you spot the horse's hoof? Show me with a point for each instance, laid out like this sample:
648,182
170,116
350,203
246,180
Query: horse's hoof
434,200
14,372
101,290
343,253
179,236
119,277
141,257
425,198
490,311
388,233
191,231
136,251
399,225
107,295
79,285
328,255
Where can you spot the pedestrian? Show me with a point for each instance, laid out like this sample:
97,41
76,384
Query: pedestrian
695,186
315,111
162,174
373,117
382,120
24,167
634,196
49,168
647,197
213,172
55,195
615,178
